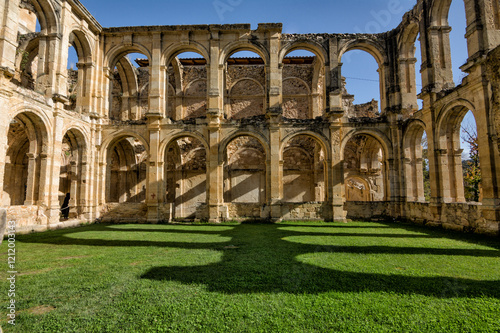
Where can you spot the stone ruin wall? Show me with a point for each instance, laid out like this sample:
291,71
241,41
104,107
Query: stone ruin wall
276,140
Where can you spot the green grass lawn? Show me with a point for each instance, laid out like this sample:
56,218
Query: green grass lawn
288,277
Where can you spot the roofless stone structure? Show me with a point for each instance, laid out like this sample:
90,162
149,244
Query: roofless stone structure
220,137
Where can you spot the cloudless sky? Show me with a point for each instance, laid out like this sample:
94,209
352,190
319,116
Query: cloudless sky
297,16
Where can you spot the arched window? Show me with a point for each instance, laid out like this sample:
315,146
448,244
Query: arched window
458,158
128,95
187,86
26,158
416,163
126,171
245,82
186,177
304,171
364,159
71,176
245,172
363,91
303,85
458,42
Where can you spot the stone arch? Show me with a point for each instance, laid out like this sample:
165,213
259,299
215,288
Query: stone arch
296,100
413,159
439,48
304,169
74,171
185,175
261,88
378,135
195,99
245,168
364,155
124,90
40,120
47,16
357,188
114,55
302,82
79,88
26,160
246,99
449,149
379,53
171,52
238,46
167,141
188,89
113,139
323,141
439,12
256,135
376,50
407,61
308,45
27,63
317,99
444,113
80,41
126,169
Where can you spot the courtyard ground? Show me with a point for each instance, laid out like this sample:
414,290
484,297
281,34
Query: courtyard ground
287,277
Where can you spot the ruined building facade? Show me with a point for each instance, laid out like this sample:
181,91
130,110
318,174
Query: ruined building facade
218,138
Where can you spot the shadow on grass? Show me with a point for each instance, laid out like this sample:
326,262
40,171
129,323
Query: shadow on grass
259,259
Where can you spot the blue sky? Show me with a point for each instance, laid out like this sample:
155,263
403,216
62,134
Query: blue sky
312,16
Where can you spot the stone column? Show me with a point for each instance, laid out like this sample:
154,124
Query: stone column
336,195
214,169
275,172
5,95
458,175
274,113
215,105
154,176
52,170
419,180
409,180
31,183
8,34
408,84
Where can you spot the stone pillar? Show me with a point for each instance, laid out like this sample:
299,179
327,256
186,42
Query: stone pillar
419,180
215,105
437,74
8,34
275,171
274,113
31,183
154,176
489,151
214,171
157,87
409,180
336,195
5,95
74,195
458,175
94,194
443,172
408,84
51,168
